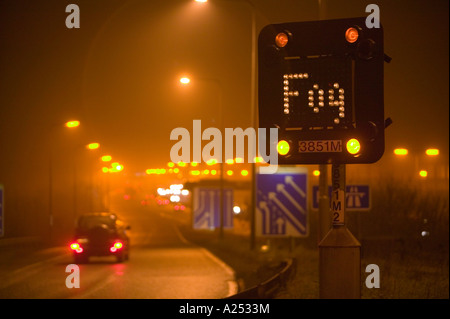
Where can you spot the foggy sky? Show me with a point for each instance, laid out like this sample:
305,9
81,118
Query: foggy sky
118,74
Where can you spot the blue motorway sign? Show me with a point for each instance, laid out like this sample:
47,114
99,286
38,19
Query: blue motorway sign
281,203
357,197
206,208
2,212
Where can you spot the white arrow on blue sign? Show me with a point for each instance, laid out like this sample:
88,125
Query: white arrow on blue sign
281,203
206,208
357,197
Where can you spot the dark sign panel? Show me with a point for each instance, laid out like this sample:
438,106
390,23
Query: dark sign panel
321,84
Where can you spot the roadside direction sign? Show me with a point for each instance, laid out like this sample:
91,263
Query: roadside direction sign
281,203
2,211
206,204
357,197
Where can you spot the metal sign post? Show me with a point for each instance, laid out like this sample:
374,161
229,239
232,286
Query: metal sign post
339,251
323,203
2,210
338,194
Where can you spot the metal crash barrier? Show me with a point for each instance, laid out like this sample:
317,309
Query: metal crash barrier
268,288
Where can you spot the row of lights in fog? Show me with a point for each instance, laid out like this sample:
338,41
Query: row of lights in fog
114,167
404,152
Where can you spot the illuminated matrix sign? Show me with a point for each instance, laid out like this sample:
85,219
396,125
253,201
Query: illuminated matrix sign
321,84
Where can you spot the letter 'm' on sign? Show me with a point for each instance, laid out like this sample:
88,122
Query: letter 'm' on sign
73,19
240,135
336,206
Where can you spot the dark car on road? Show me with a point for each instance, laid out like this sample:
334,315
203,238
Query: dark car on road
100,234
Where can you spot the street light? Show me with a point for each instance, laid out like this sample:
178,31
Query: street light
106,158
70,124
401,151
253,117
185,80
432,152
90,147
93,146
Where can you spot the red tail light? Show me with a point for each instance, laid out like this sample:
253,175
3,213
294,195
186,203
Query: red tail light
117,245
76,247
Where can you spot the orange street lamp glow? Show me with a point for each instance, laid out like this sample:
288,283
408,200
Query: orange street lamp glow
185,80
72,124
423,173
93,146
432,152
401,151
258,159
211,161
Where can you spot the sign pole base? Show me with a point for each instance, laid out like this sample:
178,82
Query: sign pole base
339,250
340,265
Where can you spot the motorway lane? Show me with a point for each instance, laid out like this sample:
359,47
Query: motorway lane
162,265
